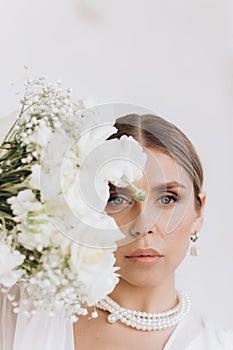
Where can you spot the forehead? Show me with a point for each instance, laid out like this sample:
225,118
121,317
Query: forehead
162,168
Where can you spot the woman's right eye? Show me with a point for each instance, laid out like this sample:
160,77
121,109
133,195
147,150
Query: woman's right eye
118,200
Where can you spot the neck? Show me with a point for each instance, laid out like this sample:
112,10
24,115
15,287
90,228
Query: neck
157,298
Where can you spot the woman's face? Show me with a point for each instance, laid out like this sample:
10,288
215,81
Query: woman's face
157,231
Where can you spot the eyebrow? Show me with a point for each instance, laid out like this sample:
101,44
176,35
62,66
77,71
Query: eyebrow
167,185
158,188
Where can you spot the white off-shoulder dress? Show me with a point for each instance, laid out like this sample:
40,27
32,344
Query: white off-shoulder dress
43,333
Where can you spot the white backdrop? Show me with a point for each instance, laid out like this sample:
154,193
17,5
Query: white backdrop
174,57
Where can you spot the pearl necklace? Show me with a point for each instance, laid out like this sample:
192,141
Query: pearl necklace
146,321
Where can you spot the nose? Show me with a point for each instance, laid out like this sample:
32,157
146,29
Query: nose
144,223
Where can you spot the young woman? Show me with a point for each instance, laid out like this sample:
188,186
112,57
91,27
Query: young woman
144,309
157,236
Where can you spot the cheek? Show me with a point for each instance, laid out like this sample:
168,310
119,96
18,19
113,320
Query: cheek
177,246
177,219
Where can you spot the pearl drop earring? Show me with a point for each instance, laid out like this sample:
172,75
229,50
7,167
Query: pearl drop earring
193,249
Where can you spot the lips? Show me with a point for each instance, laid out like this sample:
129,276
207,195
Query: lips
145,257
143,253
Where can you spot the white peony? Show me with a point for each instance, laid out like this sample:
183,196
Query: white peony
9,260
24,203
117,161
34,227
88,262
34,179
35,238
91,139
125,163
94,117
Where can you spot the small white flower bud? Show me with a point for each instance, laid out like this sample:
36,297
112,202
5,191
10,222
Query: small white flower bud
94,314
84,312
73,319
10,297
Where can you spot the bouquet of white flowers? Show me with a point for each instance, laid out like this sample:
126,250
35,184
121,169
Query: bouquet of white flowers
56,240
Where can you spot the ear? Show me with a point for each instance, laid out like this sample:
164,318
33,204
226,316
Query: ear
197,225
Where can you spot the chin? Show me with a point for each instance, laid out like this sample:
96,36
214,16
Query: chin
143,278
